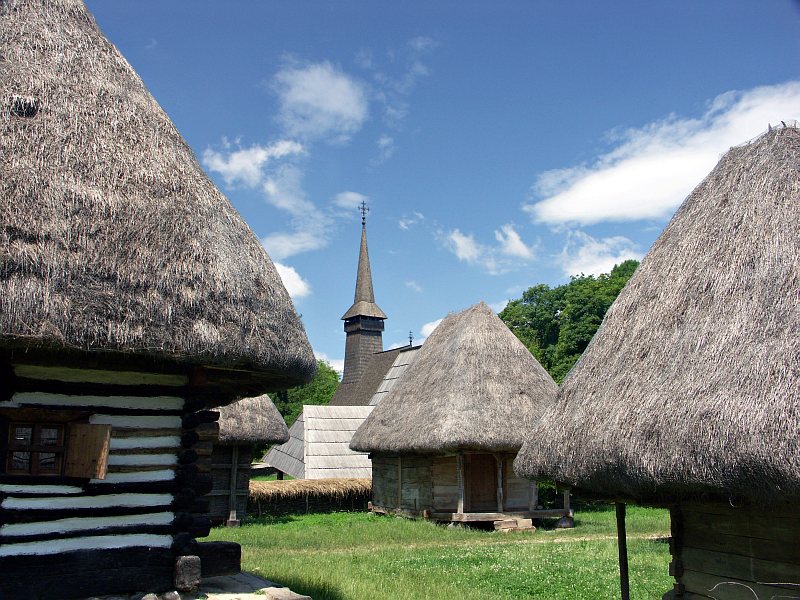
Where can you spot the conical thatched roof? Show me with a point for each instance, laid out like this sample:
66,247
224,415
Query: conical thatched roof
473,385
112,238
692,383
252,421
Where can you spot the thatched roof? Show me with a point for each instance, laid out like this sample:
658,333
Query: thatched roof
473,385
112,238
251,421
364,299
294,489
692,383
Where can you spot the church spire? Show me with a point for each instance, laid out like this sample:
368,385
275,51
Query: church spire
363,321
364,299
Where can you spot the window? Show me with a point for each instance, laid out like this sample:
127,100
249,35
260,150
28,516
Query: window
35,449
43,442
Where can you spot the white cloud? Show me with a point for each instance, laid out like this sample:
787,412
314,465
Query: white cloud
427,329
498,306
653,168
292,281
349,200
509,253
386,148
283,245
511,244
413,285
337,364
465,247
590,256
246,165
319,101
407,222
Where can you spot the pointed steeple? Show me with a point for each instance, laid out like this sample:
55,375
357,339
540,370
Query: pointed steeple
364,300
363,321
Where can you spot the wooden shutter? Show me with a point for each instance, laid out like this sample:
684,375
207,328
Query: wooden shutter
87,450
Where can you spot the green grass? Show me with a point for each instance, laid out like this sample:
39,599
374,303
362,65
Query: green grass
272,477
358,556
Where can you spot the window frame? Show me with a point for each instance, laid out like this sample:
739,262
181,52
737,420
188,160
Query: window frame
36,448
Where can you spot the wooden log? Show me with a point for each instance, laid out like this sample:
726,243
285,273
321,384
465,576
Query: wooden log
87,573
220,558
500,478
622,544
207,432
460,481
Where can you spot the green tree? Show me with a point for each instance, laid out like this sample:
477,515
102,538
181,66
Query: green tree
317,391
556,324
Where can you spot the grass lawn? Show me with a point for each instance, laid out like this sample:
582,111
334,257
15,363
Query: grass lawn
359,556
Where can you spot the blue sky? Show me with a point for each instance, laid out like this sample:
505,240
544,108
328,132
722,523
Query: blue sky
498,144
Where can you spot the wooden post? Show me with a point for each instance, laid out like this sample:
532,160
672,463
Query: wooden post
233,521
279,475
566,500
499,460
622,543
460,481
399,482
533,497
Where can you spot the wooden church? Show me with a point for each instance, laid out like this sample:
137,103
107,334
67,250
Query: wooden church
133,299
688,397
319,444
444,439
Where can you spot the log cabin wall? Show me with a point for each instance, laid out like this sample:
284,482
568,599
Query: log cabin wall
402,484
516,490
445,484
222,471
724,553
66,537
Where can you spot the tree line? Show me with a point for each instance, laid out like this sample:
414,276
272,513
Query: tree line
556,324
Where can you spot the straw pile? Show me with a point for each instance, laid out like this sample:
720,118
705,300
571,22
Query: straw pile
294,489
692,383
252,421
112,238
473,385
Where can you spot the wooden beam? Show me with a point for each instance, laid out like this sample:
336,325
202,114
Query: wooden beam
399,482
233,521
533,498
622,544
566,499
499,461
460,481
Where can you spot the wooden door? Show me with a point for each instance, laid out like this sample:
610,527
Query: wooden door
480,483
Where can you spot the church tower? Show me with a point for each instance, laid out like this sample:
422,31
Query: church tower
363,321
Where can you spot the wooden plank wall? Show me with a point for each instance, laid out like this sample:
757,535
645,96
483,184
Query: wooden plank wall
445,484
402,483
417,489
219,497
149,499
384,481
730,553
517,491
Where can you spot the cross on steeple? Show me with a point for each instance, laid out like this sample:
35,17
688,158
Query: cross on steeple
364,210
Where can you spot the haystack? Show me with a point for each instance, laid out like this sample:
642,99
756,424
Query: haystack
688,394
242,425
132,297
443,440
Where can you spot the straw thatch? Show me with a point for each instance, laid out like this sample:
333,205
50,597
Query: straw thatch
252,421
691,384
113,239
298,488
473,385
